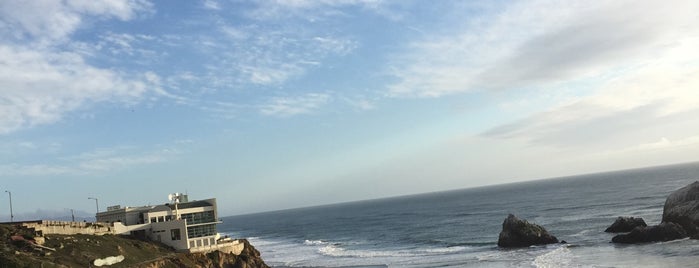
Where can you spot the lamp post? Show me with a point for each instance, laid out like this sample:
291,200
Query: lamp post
12,216
96,205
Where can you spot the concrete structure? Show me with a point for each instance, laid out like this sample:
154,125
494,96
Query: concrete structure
183,225
43,227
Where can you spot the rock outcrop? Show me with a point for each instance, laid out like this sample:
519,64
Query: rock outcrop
665,231
520,233
625,224
248,258
682,207
20,247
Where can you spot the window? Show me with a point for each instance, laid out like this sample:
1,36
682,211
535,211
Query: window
161,219
152,219
202,230
199,217
175,234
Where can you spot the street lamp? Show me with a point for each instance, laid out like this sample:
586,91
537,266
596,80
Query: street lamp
96,205
12,216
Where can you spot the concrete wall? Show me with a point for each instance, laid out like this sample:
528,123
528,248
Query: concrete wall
162,230
69,228
234,247
121,229
153,230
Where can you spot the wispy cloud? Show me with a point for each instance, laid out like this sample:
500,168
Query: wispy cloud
53,20
308,10
211,4
97,161
270,57
624,112
290,106
40,81
541,44
39,87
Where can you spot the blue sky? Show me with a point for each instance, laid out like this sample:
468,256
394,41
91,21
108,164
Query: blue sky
270,105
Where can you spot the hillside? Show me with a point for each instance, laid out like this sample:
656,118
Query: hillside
19,248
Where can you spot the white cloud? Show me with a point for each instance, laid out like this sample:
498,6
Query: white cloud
665,143
335,45
17,148
361,103
41,81
290,106
308,10
254,55
210,4
542,44
128,44
93,162
658,100
39,87
48,19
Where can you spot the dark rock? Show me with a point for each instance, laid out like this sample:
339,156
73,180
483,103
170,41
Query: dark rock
682,207
665,231
520,233
625,224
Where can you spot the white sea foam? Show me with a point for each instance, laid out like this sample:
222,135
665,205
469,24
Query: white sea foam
559,257
447,250
337,251
313,242
581,233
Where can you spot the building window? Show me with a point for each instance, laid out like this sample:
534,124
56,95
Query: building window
201,230
199,217
161,219
175,234
152,219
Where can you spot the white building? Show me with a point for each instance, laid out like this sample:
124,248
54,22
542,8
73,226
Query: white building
183,225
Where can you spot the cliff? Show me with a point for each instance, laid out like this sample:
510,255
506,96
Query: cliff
20,248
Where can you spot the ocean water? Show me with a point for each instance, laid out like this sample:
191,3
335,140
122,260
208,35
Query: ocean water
460,228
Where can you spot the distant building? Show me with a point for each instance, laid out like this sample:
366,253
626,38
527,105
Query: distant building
183,225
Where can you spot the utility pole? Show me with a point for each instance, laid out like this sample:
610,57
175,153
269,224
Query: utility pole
96,205
12,216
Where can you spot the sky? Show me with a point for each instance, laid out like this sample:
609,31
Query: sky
276,104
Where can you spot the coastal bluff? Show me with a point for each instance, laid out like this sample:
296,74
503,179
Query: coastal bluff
23,247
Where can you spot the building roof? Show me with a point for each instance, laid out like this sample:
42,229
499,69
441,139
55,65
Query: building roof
193,204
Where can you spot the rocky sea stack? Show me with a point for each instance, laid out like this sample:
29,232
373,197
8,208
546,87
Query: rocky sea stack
682,207
520,233
680,219
665,231
625,224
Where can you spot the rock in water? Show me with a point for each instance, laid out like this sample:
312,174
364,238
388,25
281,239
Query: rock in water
682,207
665,231
625,224
520,233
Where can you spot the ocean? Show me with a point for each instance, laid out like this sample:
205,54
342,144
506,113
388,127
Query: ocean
460,228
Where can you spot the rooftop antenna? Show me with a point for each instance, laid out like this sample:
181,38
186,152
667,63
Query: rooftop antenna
175,198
